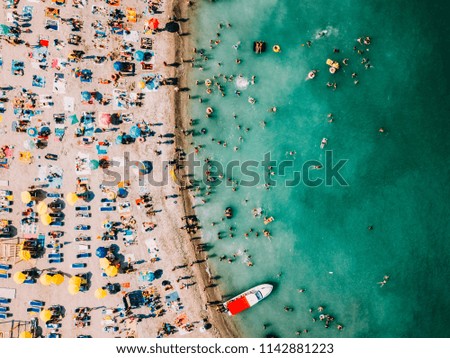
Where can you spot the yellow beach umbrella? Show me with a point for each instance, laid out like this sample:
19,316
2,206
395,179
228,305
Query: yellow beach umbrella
19,277
46,219
142,84
41,208
57,279
72,198
104,263
25,196
111,195
46,315
24,255
73,289
45,279
75,280
25,334
100,293
111,271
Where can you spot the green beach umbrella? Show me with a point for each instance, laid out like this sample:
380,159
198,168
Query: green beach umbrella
4,30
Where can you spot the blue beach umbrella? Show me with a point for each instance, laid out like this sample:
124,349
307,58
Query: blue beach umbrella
151,84
98,96
119,139
118,66
45,131
101,252
32,132
122,193
135,132
85,95
139,56
93,164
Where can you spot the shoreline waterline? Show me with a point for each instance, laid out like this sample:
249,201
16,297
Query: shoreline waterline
225,327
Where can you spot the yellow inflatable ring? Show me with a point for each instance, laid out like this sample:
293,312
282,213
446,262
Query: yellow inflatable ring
276,48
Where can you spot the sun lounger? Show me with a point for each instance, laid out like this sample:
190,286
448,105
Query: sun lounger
79,265
30,281
4,300
55,261
106,200
84,255
108,208
34,309
55,256
3,316
36,303
4,309
4,275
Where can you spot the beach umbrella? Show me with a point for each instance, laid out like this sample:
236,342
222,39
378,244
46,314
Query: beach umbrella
111,271
151,84
25,334
142,84
100,293
153,23
75,280
73,289
45,279
25,196
29,145
46,315
104,120
93,164
139,55
172,26
45,131
118,66
41,208
101,252
57,279
135,131
71,198
98,96
32,132
86,96
24,255
19,277
119,139
46,219
104,263
122,193
111,195
4,30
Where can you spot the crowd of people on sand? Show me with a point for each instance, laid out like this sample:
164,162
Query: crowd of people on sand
118,42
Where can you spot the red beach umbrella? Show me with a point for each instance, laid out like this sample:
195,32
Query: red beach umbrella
153,23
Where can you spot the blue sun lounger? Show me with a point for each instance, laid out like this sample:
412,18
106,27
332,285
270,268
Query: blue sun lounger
4,275
36,303
30,281
3,316
5,267
84,255
4,309
55,261
4,300
55,256
79,265
108,208
33,309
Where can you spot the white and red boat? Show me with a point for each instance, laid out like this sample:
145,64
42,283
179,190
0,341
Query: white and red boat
247,299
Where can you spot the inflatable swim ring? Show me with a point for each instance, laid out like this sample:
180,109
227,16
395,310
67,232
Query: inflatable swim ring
332,70
276,48
311,75
209,110
208,82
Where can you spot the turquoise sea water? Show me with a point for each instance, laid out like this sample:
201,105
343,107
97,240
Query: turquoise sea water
396,180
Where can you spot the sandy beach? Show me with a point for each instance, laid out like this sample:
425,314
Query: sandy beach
139,249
